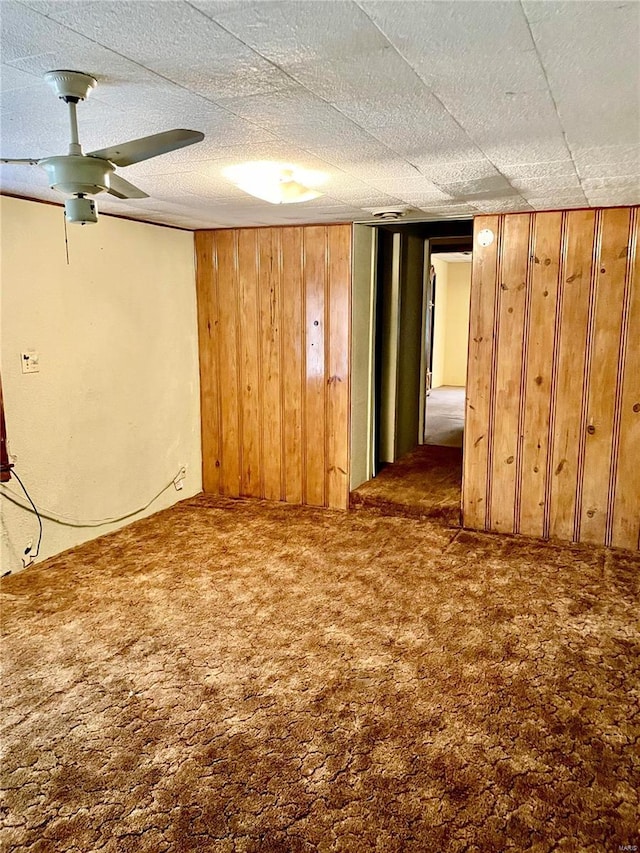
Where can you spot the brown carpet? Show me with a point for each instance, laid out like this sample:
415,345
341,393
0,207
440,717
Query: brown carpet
426,483
251,677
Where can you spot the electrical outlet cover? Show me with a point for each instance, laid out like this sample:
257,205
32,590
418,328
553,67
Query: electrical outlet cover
30,361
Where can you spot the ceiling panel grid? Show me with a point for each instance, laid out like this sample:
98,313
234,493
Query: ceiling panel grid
444,108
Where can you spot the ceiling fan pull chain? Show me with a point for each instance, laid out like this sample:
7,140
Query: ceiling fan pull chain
66,237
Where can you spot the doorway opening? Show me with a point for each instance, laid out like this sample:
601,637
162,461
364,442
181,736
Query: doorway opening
445,400
411,287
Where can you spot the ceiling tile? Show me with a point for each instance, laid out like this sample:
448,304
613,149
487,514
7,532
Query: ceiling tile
11,79
615,196
416,185
444,108
343,59
615,184
503,104
589,52
451,211
540,186
555,204
505,205
551,169
608,161
449,173
203,58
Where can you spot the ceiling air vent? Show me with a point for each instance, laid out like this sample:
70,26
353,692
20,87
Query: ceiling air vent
388,215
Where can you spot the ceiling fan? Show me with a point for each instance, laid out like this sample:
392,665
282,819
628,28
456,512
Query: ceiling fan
80,175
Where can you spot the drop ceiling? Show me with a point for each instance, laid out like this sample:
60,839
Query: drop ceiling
446,109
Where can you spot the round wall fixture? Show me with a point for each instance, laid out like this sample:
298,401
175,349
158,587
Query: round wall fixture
485,237
388,214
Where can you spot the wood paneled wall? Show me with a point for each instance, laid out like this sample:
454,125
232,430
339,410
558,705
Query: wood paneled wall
552,437
274,317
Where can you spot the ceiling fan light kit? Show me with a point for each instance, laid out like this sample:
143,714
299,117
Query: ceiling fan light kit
81,210
80,175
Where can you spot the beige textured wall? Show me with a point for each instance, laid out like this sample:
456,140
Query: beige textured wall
114,411
457,323
451,323
439,322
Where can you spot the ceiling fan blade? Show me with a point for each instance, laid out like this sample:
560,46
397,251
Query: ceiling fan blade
148,146
123,189
24,162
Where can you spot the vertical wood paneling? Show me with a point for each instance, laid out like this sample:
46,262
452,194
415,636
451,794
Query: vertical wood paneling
206,284
536,402
315,253
610,289
476,431
562,378
225,245
339,274
269,339
274,351
625,527
249,368
509,343
574,317
293,365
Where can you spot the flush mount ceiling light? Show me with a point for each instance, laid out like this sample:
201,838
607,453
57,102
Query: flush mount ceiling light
277,183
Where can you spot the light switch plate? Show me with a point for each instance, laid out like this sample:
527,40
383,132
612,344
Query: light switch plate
30,359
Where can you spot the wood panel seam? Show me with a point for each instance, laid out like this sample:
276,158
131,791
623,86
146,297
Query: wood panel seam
524,369
622,352
218,375
239,376
494,373
260,334
303,365
349,351
586,377
281,369
553,396
326,366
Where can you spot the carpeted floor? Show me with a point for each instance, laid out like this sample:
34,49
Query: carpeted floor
237,676
426,482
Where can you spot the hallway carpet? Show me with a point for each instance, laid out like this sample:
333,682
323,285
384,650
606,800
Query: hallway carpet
444,416
426,482
241,676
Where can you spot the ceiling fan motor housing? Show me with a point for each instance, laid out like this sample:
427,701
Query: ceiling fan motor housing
75,174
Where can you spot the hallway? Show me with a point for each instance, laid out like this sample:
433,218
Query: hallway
444,422
425,482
